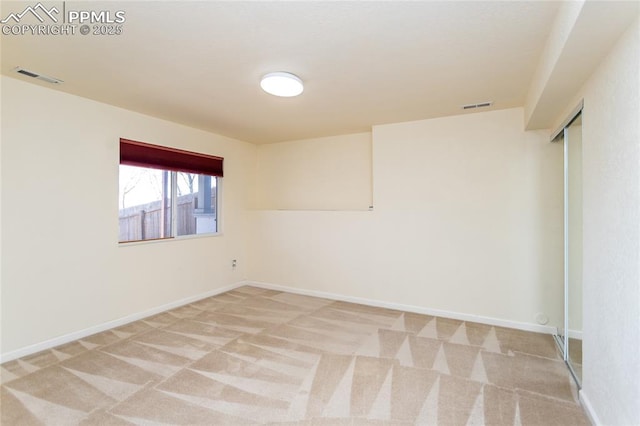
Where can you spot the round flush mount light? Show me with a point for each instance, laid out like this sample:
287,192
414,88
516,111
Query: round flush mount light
282,84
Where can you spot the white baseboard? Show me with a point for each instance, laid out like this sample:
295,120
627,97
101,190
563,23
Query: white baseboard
588,408
410,308
61,340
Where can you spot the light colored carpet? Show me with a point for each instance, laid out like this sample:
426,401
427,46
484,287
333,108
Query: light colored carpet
255,356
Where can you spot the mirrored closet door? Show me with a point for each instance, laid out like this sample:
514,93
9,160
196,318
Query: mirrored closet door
569,335
573,243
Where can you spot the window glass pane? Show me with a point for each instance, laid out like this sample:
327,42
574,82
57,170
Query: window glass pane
144,203
196,211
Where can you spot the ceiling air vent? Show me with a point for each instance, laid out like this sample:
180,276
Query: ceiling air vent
474,106
32,74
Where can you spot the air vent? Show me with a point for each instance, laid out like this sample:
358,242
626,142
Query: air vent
474,106
32,74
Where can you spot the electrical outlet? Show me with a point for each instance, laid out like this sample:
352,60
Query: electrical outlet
234,263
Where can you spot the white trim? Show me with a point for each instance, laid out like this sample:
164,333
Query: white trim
588,408
577,110
174,202
219,212
168,239
66,338
575,334
410,308
565,327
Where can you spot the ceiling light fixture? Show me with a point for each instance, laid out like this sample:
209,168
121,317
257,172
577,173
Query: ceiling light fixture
282,84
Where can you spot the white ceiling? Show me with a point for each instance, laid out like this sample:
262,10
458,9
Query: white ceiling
363,63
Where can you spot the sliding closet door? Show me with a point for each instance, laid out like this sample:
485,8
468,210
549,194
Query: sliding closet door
558,307
573,261
569,335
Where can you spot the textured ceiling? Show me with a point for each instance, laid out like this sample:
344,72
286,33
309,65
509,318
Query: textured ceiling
363,63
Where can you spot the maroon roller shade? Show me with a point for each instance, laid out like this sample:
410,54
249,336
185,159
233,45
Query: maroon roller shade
142,154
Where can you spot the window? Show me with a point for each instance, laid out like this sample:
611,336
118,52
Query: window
165,192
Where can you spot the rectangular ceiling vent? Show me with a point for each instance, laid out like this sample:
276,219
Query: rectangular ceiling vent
474,106
32,74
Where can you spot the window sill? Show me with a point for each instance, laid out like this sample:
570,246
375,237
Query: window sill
164,240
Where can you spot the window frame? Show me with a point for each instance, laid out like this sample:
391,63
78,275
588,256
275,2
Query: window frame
158,157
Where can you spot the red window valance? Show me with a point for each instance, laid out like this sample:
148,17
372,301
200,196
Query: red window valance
140,154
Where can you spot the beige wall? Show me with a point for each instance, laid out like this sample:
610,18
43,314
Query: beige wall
62,267
611,234
332,173
470,204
